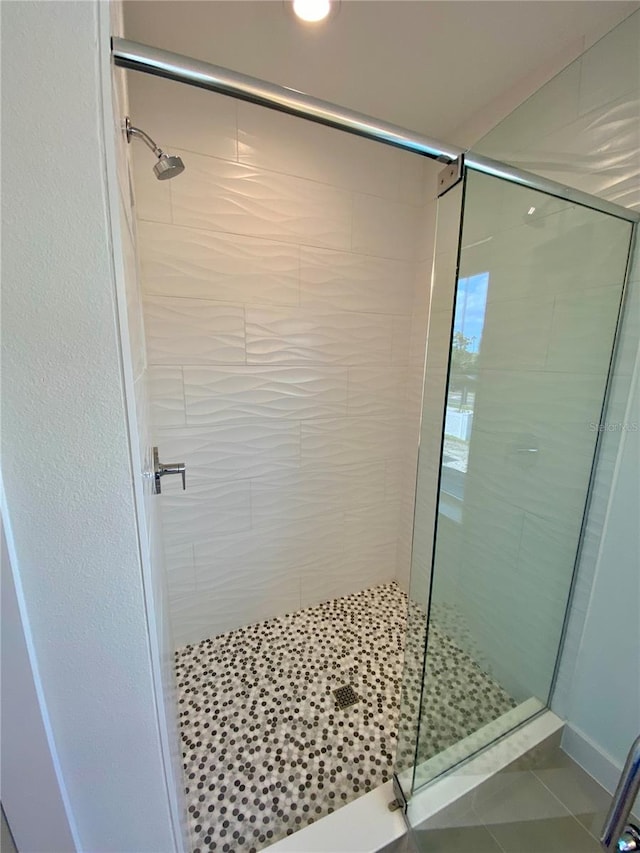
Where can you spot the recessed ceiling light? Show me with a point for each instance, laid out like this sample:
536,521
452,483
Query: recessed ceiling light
311,11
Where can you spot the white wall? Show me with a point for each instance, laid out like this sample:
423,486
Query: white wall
66,464
279,274
29,770
582,128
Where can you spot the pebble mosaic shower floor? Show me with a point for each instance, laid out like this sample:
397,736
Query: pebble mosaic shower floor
267,750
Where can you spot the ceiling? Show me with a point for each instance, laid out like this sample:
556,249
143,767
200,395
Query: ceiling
423,65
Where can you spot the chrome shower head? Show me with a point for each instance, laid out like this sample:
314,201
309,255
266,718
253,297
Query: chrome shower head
168,165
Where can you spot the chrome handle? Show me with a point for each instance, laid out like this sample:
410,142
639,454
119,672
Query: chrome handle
619,836
160,469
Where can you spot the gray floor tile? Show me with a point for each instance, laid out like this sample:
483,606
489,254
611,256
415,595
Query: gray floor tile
553,835
457,840
578,791
460,813
525,799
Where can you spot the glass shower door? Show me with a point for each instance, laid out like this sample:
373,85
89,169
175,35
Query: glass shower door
525,301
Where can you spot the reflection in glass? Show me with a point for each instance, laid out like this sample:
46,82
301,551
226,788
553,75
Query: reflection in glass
467,336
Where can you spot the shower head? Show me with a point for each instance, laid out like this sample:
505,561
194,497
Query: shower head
168,165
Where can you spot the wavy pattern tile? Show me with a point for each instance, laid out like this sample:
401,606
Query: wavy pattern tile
180,569
319,153
279,296
207,265
313,490
227,606
294,336
322,582
207,507
376,392
257,448
193,331
383,228
169,109
152,197
166,394
347,281
284,548
348,440
223,196
216,394
134,307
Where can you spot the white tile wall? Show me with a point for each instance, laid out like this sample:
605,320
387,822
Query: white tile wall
200,264
279,274
222,196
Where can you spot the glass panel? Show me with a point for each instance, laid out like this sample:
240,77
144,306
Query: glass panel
438,335
538,292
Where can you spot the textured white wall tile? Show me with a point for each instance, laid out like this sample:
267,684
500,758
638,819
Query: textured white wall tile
612,131
376,392
414,172
216,395
582,330
275,551
134,305
552,106
610,68
190,262
296,335
208,613
377,561
308,439
180,569
179,116
352,282
152,197
193,331
516,332
259,447
360,484
207,507
296,496
371,526
166,393
401,340
347,440
313,490
384,228
319,153
322,581
224,196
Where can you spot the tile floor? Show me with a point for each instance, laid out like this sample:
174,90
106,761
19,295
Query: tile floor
543,803
266,748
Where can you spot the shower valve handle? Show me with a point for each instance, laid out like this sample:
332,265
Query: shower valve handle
160,470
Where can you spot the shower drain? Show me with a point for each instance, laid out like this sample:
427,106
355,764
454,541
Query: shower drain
345,696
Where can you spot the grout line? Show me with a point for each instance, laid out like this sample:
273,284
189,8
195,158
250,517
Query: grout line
565,806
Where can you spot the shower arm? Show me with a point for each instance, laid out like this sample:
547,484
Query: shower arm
133,132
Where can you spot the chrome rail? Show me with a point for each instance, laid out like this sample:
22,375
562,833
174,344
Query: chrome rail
618,835
185,69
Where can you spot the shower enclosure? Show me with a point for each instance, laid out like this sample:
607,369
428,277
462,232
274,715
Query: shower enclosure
526,294
526,297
